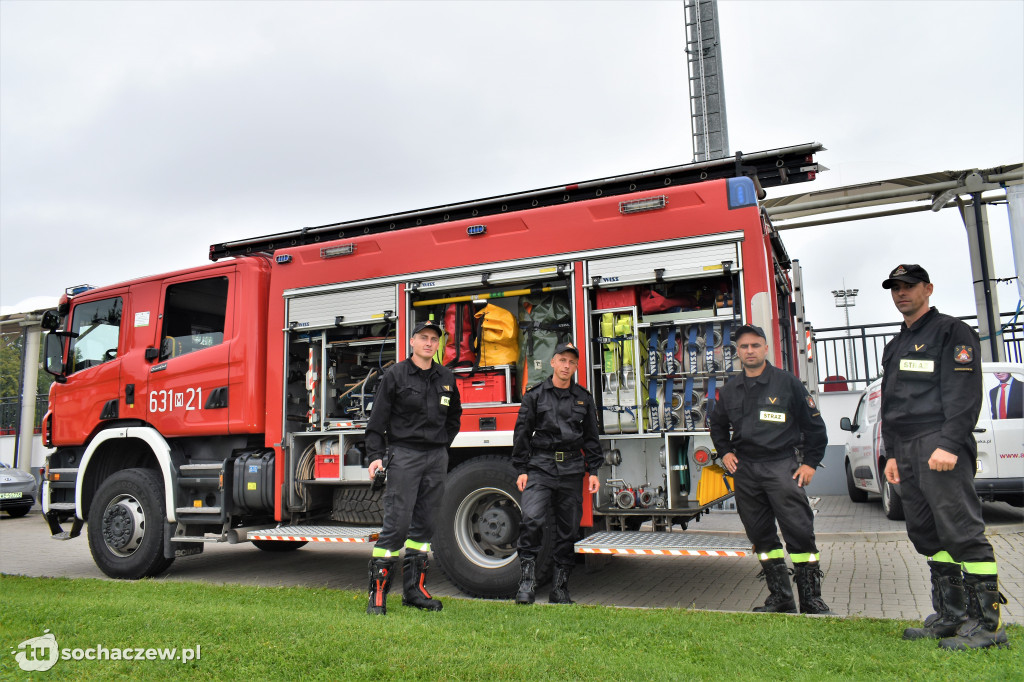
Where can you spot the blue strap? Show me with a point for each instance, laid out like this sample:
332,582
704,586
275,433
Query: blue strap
652,404
726,348
670,353
711,399
688,404
652,353
709,347
670,417
691,348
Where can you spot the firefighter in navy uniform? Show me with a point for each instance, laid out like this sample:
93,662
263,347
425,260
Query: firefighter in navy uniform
931,399
414,420
554,444
768,411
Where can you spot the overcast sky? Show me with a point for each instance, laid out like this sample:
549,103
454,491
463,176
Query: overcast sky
134,135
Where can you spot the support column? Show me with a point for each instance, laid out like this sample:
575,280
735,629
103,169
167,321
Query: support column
975,219
29,381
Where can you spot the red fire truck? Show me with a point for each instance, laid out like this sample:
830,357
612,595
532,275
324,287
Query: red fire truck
228,402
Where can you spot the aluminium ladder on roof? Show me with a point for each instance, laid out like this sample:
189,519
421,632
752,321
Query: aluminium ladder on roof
769,168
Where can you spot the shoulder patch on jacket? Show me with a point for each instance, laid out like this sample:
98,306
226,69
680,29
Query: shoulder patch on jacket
963,355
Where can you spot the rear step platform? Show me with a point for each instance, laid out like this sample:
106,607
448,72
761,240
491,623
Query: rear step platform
316,534
687,543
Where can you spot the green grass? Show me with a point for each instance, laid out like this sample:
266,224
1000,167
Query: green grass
258,633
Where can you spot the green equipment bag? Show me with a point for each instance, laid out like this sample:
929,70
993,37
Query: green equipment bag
544,322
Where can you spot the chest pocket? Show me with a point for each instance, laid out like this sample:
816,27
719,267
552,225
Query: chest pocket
410,397
919,362
773,415
444,398
732,403
578,412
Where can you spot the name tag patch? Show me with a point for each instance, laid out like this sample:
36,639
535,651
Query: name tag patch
917,365
777,417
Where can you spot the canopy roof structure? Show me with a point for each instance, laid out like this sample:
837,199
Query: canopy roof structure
928,192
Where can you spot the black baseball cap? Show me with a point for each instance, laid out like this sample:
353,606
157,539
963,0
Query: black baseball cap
567,347
750,329
427,324
911,273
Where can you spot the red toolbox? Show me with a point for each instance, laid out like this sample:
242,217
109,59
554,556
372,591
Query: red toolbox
485,385
327,466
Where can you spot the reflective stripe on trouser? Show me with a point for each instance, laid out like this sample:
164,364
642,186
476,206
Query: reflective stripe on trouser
546,495
805,558
943,558
417,546
942,508
766,492
415,488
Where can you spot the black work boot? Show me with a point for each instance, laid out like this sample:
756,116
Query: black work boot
808,584
780,597
528,583
380,585
983,627
560,587
414,574
949,601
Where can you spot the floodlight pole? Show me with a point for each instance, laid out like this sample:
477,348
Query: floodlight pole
846,299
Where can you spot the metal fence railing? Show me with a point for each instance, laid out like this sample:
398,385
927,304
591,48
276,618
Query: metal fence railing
849,358
9,414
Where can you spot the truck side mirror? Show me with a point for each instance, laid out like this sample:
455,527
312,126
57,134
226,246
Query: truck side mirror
50,321
55,356
845,424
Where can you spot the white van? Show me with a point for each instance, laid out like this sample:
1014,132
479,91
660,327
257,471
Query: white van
1000,436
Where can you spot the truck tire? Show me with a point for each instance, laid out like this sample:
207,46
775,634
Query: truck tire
278,545
892,504
126,525
477,528
856,494
358,504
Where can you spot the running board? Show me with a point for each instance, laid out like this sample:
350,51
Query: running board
316,534
688,543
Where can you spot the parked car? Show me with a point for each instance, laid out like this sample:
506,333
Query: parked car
17,490
1000,436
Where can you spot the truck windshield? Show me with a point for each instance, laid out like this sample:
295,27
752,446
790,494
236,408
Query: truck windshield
97,325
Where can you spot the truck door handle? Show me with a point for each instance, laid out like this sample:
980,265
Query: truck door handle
980,430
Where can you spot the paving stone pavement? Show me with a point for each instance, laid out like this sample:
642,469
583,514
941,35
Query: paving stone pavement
871,569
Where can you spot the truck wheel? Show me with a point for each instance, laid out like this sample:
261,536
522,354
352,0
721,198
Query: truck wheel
278,545
856,494
126,525
478,527
892,504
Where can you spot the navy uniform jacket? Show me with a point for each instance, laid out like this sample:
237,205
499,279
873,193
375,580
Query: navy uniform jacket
415,408
548,423
932,381
768,420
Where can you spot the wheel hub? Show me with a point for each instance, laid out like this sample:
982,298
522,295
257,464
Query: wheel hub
124,525
117,527
496,526
486,527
